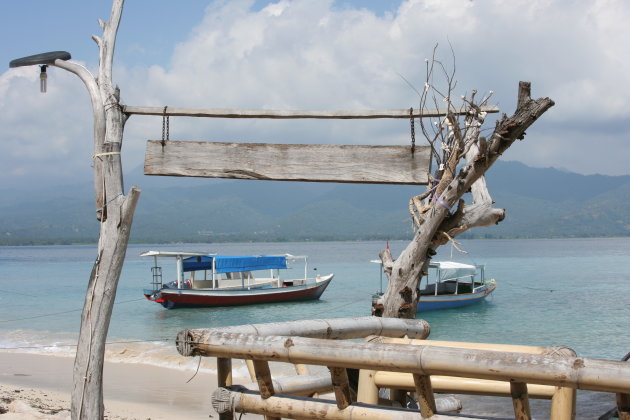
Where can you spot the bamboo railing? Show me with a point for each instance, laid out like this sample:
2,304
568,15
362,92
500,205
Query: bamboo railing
420,366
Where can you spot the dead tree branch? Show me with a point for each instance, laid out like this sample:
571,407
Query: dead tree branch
436,222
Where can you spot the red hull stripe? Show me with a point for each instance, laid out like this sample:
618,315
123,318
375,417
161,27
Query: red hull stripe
188,297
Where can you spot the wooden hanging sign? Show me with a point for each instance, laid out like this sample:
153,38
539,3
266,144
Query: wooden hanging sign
289,162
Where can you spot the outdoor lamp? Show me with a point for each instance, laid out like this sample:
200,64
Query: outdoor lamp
43,60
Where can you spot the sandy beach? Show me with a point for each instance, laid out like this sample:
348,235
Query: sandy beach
34,386
38,387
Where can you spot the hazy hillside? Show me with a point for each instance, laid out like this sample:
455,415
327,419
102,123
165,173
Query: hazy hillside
539,203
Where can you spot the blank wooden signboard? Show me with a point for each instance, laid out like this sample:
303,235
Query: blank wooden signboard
289,162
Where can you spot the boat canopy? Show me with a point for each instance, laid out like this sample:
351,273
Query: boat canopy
452,270
235,263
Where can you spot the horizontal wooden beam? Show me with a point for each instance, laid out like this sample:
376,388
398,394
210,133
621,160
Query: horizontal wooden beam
284,114
289,162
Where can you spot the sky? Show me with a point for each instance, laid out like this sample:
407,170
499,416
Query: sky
314,54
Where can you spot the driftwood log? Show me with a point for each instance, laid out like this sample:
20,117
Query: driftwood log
115,212
445,215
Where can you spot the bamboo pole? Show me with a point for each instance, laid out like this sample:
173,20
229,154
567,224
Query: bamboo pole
341,387
562,403
514,348
457,385
263,375
286,114
426,400
562,398
224,378
285,406
304,385
224,371
250,369
520,401
368,391
623,406
335,328
580,373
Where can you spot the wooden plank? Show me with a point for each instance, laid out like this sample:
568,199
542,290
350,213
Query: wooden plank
288,114
289,162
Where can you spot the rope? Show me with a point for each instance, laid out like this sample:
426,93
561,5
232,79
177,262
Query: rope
60,313
112,199
104,154
197,371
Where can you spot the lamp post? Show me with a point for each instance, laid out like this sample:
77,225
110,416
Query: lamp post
114,210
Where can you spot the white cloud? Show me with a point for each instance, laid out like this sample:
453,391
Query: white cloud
308,54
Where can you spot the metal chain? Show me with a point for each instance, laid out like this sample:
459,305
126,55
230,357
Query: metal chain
165,126
413,131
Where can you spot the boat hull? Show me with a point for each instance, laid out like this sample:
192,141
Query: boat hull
197,298
432,303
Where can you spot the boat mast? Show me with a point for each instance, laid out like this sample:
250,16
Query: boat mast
214,278
180,271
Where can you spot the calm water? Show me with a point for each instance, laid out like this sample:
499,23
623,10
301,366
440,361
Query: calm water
568,292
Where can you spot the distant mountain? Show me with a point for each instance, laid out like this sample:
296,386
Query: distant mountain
539,202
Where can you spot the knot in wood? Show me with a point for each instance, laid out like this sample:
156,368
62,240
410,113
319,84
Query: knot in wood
406,310
406,294
288,343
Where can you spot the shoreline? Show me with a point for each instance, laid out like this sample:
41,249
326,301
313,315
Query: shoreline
297,240
130,390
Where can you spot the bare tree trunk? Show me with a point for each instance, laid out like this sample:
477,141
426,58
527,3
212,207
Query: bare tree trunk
115,212
436,224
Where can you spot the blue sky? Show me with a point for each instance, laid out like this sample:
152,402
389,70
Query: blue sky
315,54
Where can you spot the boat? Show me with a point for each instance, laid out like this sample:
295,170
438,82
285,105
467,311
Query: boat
207,280
451,284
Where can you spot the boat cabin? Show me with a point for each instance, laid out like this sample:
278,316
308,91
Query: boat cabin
211,271
449,277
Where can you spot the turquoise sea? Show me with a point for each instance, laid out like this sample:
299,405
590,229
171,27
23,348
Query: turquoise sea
569,292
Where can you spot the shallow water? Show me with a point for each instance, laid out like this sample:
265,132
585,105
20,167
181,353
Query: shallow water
568,292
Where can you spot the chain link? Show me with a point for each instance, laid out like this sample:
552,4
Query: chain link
413,130
165,127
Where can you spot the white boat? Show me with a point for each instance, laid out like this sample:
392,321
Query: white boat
204,280
451,284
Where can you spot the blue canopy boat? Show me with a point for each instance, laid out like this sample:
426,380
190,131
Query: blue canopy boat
451,284
204,280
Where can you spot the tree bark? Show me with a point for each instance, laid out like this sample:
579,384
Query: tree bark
439,224
115,212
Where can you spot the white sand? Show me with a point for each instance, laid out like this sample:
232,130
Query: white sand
38,387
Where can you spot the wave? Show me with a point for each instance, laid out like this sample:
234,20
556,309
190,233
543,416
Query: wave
153,353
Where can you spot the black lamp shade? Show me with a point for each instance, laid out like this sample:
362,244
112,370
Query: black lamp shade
43,58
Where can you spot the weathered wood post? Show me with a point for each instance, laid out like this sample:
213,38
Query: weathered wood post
114,210
437,220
